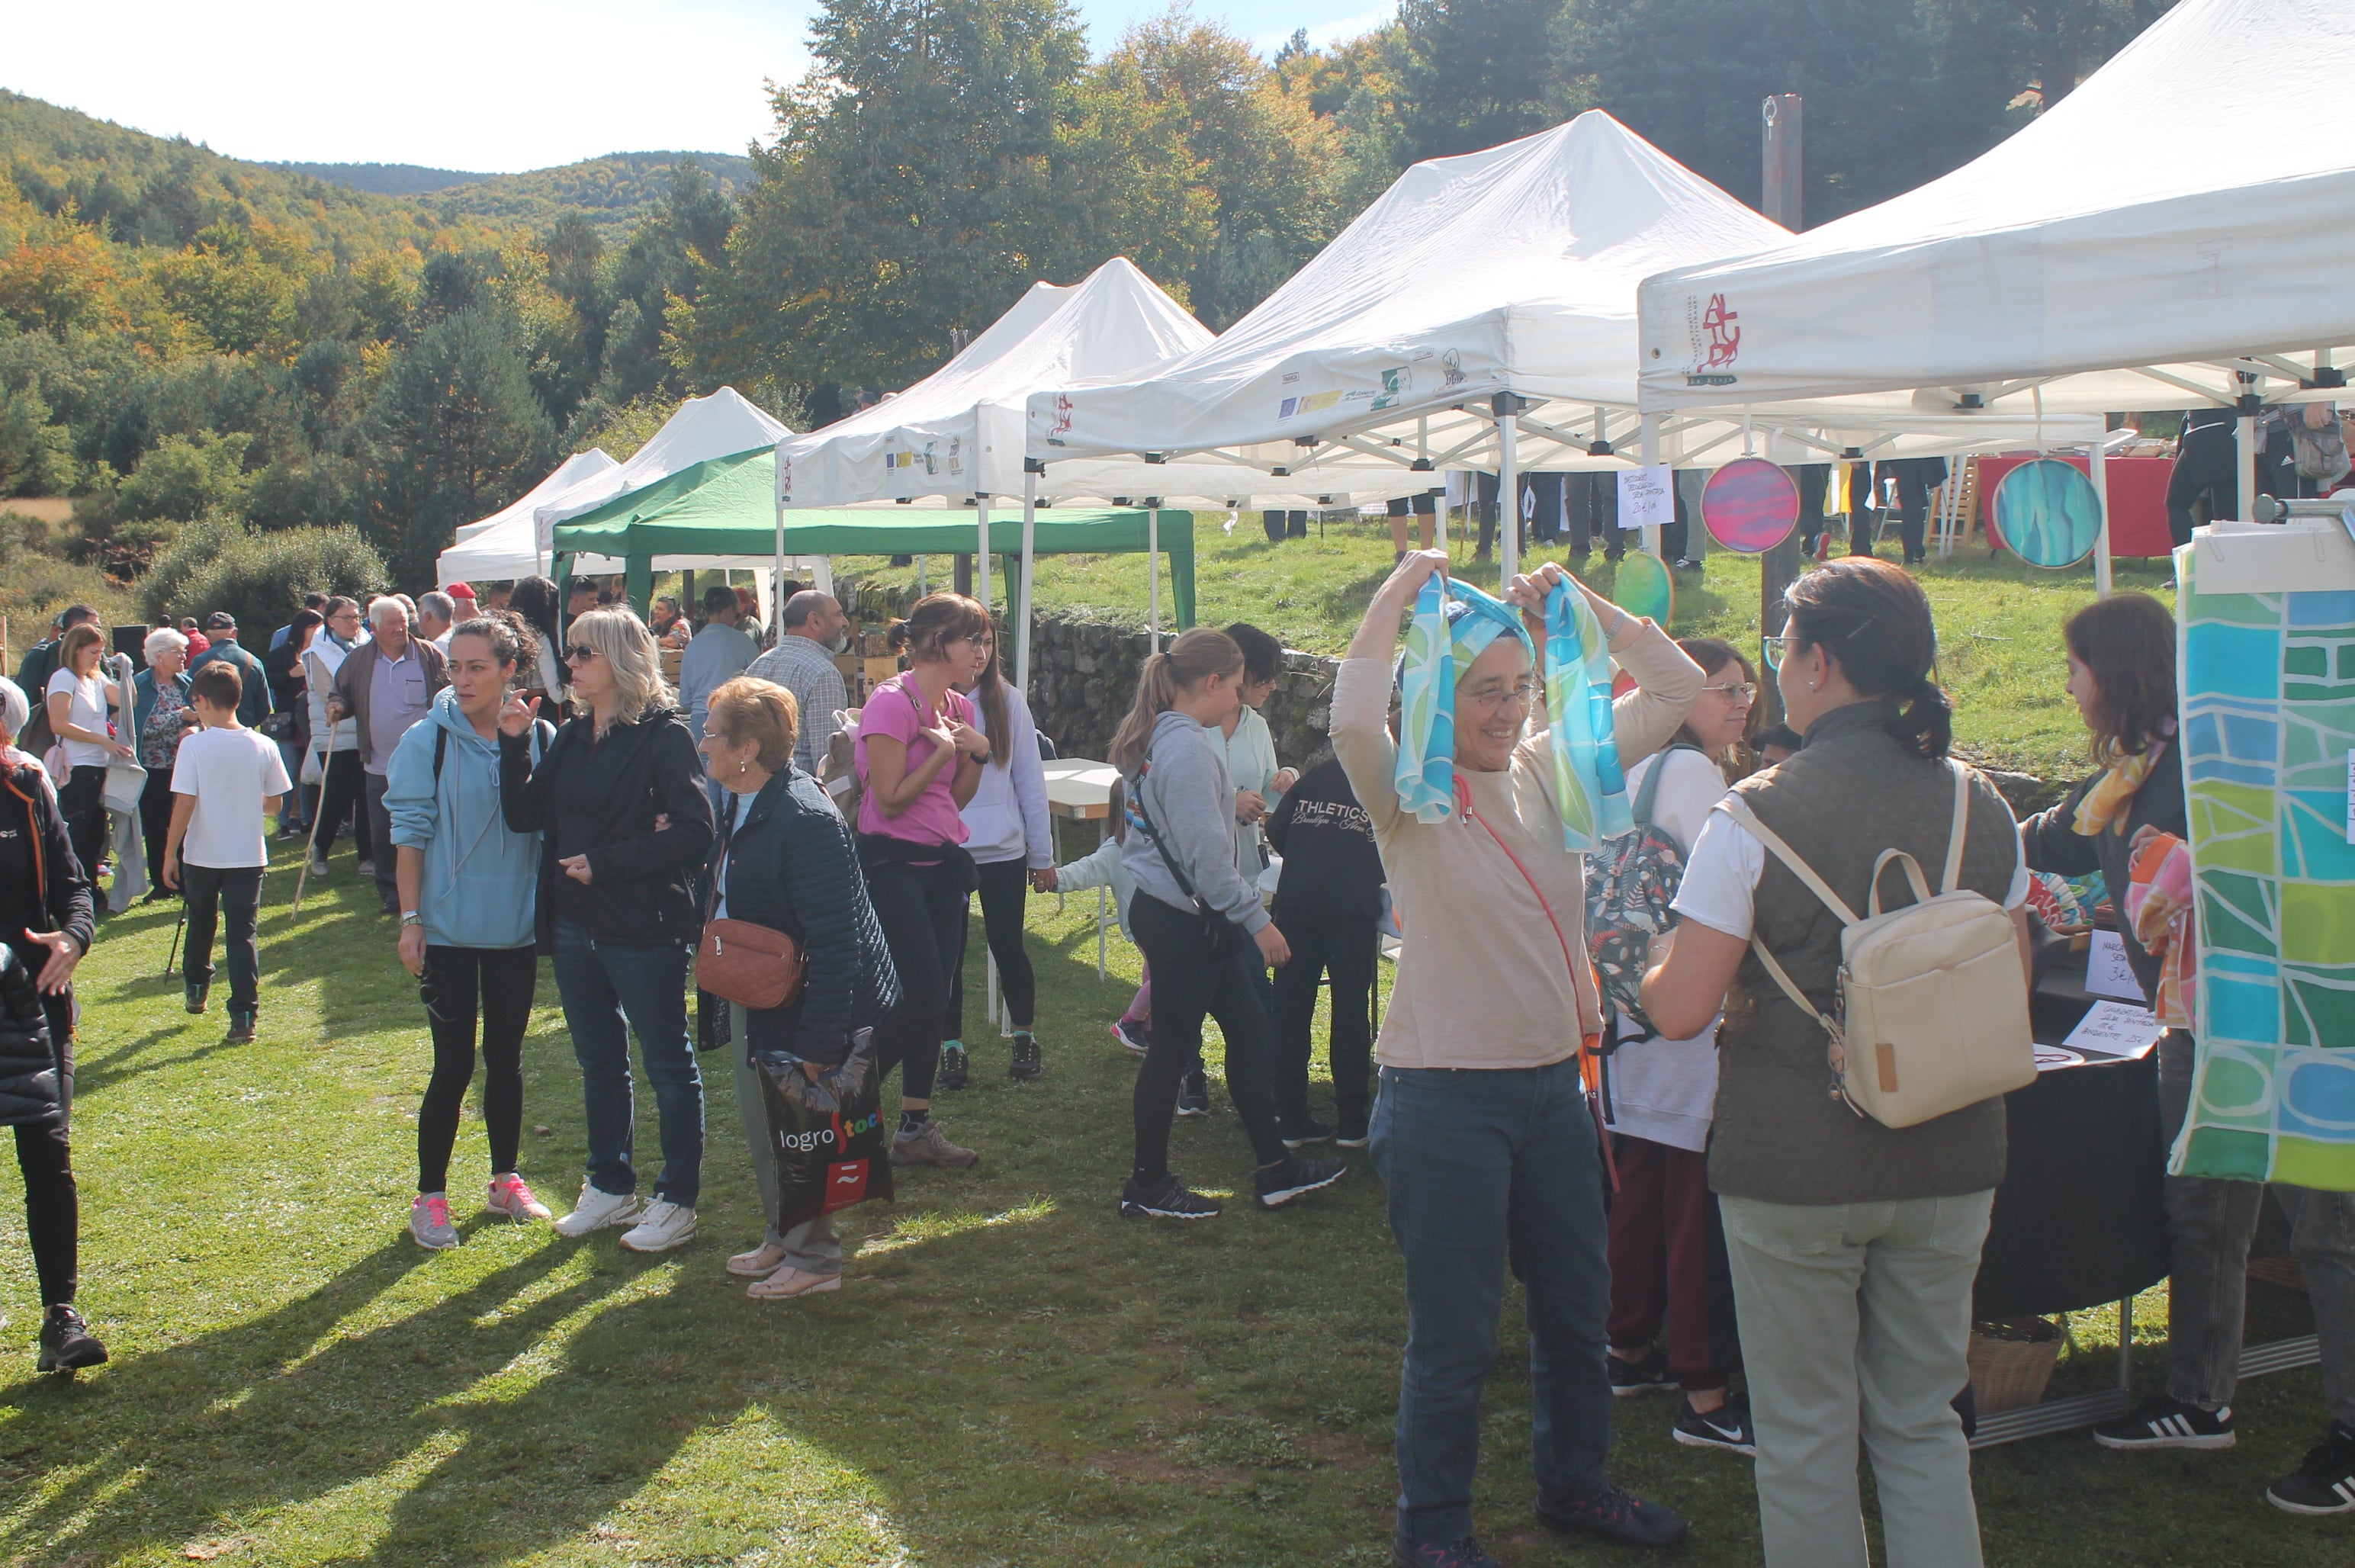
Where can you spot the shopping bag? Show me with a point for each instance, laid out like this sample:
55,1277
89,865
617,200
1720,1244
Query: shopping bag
825,1133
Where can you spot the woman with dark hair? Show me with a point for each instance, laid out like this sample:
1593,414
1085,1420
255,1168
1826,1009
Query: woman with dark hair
1013,848
1853,1244
2126,822
534,599
920,762
282,667
1667,1255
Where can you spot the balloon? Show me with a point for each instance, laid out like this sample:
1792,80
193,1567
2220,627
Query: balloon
1750,505
1643,587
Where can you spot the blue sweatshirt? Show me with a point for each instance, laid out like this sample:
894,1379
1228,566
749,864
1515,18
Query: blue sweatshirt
482,880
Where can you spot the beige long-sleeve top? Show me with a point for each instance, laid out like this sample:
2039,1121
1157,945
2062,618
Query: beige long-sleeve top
1482,982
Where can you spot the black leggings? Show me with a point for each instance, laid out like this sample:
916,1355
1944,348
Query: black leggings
456,978
45,1155
344,788
921,910
82,803
155,821
1005,889
1189,981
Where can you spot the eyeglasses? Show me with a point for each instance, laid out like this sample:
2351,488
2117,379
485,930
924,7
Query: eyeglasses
1774,648
1736,691
579,653
1523,693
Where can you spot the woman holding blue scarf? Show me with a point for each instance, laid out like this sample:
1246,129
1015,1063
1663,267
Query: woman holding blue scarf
1508,768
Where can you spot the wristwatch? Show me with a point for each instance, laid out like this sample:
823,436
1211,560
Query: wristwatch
411,917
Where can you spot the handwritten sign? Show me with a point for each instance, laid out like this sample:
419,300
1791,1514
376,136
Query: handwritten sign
2107,972
1647,497
2114,1028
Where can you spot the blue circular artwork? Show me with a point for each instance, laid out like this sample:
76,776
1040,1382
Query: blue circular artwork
2047,514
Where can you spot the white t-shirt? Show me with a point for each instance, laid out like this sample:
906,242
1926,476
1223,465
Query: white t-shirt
230,773
89,711
1721,885
1665,1091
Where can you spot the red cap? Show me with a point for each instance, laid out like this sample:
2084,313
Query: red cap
459,590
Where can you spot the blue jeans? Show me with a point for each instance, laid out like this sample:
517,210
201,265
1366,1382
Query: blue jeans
1486,1168
610,992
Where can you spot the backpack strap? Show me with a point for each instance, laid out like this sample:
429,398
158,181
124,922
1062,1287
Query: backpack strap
1734,807
1955,835
1650,792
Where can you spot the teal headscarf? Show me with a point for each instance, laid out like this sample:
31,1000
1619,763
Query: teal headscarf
1589,786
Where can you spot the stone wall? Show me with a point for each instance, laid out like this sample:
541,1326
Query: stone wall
1083,678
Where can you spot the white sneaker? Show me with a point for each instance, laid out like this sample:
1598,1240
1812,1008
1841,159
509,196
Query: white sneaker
664,1225
597,1209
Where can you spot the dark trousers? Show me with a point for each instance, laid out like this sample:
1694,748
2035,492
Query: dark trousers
1280,525
1189,981
2207,467
921,912
1815,479
156,820
1592,500
82,804
235,893
1483,1170
338,795
611,991
458,984
52,1207
1005,890
1913,506
1667,1262
1347,949
379,832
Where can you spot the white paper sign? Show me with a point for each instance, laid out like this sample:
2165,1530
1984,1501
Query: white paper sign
2114,1028
1647,497
2107,972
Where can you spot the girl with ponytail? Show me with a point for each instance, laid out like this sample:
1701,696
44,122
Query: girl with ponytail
1200,925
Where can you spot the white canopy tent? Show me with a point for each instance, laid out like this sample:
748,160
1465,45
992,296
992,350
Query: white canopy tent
2210,267
1480,314
574,470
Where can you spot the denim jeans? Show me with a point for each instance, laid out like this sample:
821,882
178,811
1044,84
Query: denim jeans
1482,1169
610,992
2209,1224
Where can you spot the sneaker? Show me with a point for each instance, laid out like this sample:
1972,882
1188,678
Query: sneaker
1134,1033
198,990
1194,1095
2326,1482
1352,1133
1727,1426
951,1074
1689,564
366,867
1169,1199
1613,1515
1463,1553
2169,1424
240,1027
1307,1130
318,867
508,1195
663,1226
1027,1066
1295,1177
428,1222
67,1343
596,1209
927,1145
1642,1375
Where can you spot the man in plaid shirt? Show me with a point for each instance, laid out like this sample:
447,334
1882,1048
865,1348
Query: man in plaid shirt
812,629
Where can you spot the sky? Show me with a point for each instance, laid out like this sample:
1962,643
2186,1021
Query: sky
492,86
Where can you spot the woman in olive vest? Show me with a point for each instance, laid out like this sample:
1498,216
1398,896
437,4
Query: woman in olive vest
1853,1245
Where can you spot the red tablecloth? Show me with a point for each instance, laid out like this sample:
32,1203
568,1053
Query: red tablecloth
2137,500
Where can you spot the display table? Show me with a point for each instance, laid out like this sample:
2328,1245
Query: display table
1080,790
2137,489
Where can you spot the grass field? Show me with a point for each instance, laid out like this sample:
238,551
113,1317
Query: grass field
1998,621
1011,1376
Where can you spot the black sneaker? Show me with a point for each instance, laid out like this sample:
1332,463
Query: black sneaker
2169,1424
67,1343
1026,1064
1727,1426
2326,1482
198,991
1134,1033
951,1074
1296,1176
1169,1199
1351,1133
1463,1553
1307,1130
1640,1376
1613,1515
1194,1095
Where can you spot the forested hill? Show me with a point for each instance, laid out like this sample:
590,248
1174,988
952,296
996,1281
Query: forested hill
612,193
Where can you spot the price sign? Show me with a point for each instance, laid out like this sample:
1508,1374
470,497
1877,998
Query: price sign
2107,972
1647,497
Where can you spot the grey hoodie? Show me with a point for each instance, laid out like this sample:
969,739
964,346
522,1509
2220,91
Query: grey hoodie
1190,802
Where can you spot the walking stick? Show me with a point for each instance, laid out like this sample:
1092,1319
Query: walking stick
327,755
174,951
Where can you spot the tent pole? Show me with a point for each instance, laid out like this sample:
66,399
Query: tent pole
981,557
2244,442
1029,564
777,575
1650,437
1508,488
1152,573
2097,467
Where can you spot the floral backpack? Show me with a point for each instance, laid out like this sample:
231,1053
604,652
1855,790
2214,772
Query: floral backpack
1630,882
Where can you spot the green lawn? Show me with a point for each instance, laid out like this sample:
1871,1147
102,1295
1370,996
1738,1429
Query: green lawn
1012,1374
1998,621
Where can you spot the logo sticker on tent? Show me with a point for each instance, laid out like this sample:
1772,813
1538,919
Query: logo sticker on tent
1716,342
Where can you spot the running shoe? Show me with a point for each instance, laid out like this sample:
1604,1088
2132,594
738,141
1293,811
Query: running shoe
318,867
1612,1514
1642,1375
508,1195
927,1145
1463,1553
2169,1423
1027,1064
1352,1133
67,1343
1134,1033
951,1074
1296,1178
366,867
1307,1130
1727,1426
428,1222
663,1226
596,1210
1169,1198
2326,1482
1194,1095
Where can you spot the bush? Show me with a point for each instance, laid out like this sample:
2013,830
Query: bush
260,578
194,548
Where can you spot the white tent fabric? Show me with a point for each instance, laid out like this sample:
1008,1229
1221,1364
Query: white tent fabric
1512,270
504,549
2124,251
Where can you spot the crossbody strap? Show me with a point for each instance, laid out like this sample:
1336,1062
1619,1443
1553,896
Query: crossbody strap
1734,807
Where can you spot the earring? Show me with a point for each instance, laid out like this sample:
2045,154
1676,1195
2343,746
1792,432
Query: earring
1817,685
743,767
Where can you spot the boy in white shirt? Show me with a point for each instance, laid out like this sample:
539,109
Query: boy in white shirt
226,782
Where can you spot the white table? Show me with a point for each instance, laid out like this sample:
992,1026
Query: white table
1080,790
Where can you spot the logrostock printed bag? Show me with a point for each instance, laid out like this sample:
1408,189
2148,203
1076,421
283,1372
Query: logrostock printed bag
825,1133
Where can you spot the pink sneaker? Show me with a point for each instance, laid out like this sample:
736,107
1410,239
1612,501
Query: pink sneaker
511,1197
428,1222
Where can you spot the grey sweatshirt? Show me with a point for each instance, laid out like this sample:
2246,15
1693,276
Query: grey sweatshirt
1187,798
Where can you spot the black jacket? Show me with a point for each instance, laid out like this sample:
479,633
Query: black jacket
28,1066
42,885
792,866
2050,843
642,881
1332,868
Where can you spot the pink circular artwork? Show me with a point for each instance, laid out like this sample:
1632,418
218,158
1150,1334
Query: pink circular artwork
1750,505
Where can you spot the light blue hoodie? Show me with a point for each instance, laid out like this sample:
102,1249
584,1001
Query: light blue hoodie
481,881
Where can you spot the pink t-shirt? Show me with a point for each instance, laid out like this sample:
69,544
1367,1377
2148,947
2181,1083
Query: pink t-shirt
894,709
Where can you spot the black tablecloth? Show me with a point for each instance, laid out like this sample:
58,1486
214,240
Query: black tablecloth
2078,1219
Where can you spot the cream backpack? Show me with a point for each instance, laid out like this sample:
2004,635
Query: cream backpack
1933,1011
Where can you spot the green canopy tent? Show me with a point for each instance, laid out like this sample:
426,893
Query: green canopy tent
727,506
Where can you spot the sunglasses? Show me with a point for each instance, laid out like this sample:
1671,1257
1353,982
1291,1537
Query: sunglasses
579,653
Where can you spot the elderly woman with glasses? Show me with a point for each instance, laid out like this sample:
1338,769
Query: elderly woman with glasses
160,716
619,802
1481,1130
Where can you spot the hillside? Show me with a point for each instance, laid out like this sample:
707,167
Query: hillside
613,192
384,180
